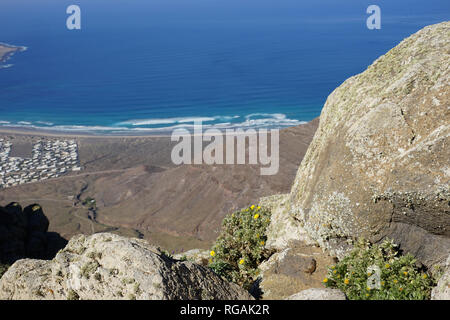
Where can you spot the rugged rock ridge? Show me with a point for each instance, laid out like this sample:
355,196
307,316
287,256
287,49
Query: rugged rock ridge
378,165
107,266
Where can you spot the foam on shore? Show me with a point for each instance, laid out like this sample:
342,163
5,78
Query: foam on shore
163,126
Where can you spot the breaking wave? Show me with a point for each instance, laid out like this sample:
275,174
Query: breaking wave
165,125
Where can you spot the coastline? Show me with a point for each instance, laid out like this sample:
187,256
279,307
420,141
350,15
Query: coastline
65,134
28,131
149,127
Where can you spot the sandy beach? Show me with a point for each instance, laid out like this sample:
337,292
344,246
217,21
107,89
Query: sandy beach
71,135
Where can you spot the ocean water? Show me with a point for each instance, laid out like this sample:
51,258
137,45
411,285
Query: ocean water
148,66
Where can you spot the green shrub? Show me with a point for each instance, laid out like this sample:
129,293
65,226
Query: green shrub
90,203
166,254
398,277
240,247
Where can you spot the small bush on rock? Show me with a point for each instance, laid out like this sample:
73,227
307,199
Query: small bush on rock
379,272
240,247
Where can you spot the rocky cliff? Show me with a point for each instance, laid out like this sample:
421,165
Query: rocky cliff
378,165
107,266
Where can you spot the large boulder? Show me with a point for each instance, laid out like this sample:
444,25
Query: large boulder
378,165
107,266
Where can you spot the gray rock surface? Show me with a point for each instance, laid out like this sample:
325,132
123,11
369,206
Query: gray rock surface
378,165
442,290
283,229
107,266
319,294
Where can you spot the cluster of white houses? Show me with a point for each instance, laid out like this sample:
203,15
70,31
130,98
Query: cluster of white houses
49,159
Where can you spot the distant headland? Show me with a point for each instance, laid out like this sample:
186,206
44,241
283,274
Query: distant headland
7,51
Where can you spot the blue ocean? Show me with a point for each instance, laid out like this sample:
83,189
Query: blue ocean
148,66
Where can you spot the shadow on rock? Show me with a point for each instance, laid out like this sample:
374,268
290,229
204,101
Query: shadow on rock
24,234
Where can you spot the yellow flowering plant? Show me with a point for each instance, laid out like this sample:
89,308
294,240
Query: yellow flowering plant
398,276
240,247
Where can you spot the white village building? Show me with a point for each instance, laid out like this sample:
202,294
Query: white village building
50,158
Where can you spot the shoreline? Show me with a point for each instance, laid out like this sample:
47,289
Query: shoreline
134,127
87,134
67,134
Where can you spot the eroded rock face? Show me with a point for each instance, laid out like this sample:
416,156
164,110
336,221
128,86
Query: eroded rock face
378,165
107,266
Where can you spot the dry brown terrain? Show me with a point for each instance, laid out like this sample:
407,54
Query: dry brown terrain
139,192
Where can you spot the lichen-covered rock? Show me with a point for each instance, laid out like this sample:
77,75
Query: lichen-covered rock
442,289
107,266
378,165
283,229
319,294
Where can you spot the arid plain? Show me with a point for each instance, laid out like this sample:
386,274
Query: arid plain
139,192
